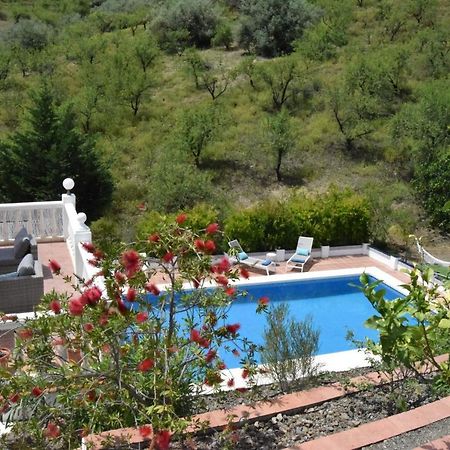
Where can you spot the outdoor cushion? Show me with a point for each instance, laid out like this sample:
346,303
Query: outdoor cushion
8,276
266,262
242,256
26,266
298,259
302,251
21,244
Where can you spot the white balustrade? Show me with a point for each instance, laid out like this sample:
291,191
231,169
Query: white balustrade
44,220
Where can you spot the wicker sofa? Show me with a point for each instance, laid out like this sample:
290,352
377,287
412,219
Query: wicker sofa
22,293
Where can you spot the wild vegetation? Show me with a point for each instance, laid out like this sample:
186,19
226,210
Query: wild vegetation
226,103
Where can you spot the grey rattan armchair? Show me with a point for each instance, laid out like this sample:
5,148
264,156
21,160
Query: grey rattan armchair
21,294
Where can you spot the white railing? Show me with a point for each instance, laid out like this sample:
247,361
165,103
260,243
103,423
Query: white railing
44,220
75,233
50,221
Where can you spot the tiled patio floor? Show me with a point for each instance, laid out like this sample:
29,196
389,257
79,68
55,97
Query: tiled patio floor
60,252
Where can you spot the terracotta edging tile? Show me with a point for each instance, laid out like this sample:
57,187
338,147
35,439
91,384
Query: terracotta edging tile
380,430
439,444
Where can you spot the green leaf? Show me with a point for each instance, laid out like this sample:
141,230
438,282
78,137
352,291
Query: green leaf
444,323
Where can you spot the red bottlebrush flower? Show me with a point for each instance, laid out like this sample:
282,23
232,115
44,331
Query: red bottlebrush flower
91,296
230,382
195,335
131,295
121,306
224,265
263,301
145,431
106,348
76,307
145,365
210,246
245,373
212,228
203,342
88,327
36,391
88,246
14,398
222,279
103,320
154,238
230,291
98,254
55,306
131,261
168,257
54,266
210,355
233,328
152,288
221,366
52,431
120,277
25,333
163,440
181,218
199,244
244,273
141,317
93,262
236,353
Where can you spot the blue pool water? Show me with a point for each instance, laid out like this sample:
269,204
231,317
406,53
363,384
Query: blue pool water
336,306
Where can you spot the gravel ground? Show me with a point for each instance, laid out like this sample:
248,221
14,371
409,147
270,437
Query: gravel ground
413,439
331,417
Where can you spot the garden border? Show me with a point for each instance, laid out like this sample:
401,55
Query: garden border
296,401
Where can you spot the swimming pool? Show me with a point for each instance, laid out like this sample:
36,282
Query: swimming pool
332,299
336,306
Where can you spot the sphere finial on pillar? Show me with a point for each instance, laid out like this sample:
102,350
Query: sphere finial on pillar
68,185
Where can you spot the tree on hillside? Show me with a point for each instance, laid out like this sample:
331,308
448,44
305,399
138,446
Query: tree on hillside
48,149
280,138
197,127
132,75
423,128
281,78
269,27
199,18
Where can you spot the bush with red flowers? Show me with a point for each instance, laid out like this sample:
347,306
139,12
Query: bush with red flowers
115,352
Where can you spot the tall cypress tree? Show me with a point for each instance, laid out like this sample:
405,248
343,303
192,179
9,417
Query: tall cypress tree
48,149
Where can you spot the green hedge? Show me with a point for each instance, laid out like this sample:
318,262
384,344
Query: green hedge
336,218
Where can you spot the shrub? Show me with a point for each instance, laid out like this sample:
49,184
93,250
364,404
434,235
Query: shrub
198,17
30,34
414,329
269,27
107,357
332,219
289,346
223,36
